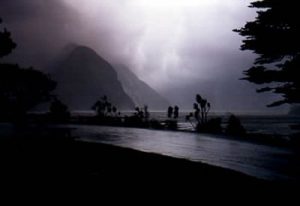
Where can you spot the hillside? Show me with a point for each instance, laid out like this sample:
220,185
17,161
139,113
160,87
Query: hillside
83,77
139,91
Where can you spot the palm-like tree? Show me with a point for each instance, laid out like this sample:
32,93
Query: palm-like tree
204,109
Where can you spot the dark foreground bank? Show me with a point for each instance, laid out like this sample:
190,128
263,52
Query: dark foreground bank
62,162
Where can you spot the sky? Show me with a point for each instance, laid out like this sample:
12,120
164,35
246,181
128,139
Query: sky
178,47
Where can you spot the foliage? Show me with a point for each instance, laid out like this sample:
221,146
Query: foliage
235,127
202,107
6,43
142,113
105,108
59,112
274,36
211,126
20,89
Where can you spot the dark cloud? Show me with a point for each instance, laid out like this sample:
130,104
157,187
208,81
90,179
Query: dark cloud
39,27
179,47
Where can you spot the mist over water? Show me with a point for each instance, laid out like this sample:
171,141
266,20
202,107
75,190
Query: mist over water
92,81
178,47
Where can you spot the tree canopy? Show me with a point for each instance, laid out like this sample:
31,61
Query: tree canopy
6,43
274,36
20,89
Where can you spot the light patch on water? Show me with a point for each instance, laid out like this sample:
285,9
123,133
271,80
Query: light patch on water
261,161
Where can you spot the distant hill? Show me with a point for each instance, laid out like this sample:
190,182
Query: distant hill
83,77
139,91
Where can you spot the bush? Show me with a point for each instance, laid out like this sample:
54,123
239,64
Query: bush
235,127
211,126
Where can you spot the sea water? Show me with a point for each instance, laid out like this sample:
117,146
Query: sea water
266,162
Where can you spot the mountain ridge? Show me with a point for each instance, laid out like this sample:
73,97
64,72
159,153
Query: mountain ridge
83,77
139,91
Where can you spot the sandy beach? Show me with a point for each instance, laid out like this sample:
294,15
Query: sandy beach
64,161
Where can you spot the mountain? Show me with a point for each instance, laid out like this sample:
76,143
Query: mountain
141,93
83,77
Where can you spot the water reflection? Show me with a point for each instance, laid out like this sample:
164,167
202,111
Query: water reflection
256,160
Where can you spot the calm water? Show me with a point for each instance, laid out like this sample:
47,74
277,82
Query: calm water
261,161
265,124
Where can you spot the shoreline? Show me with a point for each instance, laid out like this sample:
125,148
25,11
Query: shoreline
279,140
62,159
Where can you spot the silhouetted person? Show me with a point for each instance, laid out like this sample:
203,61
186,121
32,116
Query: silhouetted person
176,112
170,111
146,112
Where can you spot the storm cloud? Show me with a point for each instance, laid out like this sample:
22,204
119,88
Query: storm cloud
179,47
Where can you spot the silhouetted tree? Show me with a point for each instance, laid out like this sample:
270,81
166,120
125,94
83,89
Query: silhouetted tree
197,112
274,36
115,110
104,108
188,119
99,108
142,113
109,108
139,113
6,43
59,112
20,89
235,127
204,109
